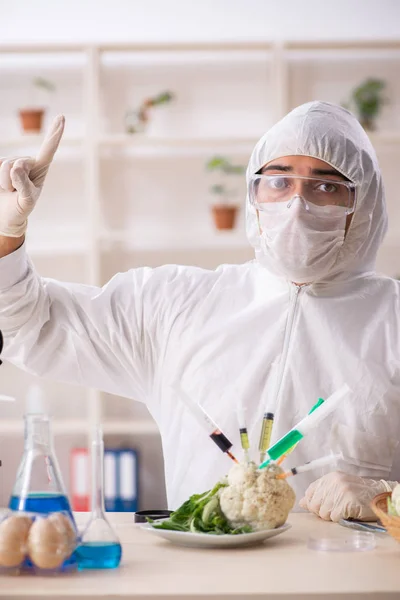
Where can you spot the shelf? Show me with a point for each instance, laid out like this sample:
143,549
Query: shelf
35,139
188,46
147,145
318,45
141,139
139,47
156,240
41,48
82,427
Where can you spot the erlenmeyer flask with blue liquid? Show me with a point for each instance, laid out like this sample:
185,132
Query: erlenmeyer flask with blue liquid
39,487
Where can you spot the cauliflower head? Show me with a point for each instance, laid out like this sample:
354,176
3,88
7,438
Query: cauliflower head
395,498
255,497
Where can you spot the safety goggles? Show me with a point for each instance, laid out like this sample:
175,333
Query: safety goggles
267,189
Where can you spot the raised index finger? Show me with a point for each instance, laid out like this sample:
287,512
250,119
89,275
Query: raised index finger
51,142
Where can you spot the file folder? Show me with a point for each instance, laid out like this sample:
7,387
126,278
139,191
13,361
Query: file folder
128,480
80,479
110,479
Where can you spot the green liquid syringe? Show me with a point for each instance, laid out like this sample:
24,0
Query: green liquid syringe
304,427
282,458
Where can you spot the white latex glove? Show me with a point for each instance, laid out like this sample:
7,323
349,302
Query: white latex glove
21,182
341,496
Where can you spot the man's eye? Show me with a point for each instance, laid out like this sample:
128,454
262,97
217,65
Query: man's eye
278,183
329,188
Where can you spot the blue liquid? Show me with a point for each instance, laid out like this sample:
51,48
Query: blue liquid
44,504
41,503
98,555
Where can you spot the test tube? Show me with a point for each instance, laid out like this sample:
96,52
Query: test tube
266,433
304,427
214,432
308,466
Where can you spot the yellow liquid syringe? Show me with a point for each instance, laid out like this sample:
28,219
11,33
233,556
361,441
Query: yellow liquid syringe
265,436
244,436
244,440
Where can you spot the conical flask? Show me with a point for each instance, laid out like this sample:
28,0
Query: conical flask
100,547
39,486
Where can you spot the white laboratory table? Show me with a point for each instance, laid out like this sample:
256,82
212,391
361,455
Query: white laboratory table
283,568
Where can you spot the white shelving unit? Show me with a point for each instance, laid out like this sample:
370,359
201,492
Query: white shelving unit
115,200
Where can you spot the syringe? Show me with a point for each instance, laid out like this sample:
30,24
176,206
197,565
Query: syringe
244,436
265,435
206,422
308,466
305,426
284,456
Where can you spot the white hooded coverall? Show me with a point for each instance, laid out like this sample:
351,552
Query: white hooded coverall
236,334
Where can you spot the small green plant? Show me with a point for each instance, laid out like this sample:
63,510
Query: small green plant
136,120
162,98
223,164
226,168
367,100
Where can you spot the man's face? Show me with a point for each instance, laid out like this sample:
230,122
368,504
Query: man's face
305,166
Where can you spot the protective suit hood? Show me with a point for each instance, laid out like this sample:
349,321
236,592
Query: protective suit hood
332,134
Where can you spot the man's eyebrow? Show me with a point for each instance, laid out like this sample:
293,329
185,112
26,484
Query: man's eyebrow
283,168
321,172
289,169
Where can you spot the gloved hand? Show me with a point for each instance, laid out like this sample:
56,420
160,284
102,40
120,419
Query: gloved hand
341,496
21,182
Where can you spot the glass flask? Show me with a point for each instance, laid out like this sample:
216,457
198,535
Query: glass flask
99,545
39,486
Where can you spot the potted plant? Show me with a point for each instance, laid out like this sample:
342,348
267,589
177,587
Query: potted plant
32,117
368,99
136,120
224,206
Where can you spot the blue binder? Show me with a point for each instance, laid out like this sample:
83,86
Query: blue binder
121,480
128,480
110,479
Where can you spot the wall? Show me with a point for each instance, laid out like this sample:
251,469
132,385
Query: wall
178,20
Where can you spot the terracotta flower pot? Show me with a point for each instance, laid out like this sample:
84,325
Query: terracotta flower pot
367,123
31,120
224,216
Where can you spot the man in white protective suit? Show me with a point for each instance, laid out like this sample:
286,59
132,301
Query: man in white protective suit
306,316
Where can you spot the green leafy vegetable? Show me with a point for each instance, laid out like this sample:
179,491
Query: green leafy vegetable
201,514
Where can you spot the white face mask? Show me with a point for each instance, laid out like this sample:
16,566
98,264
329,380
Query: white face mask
301,241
